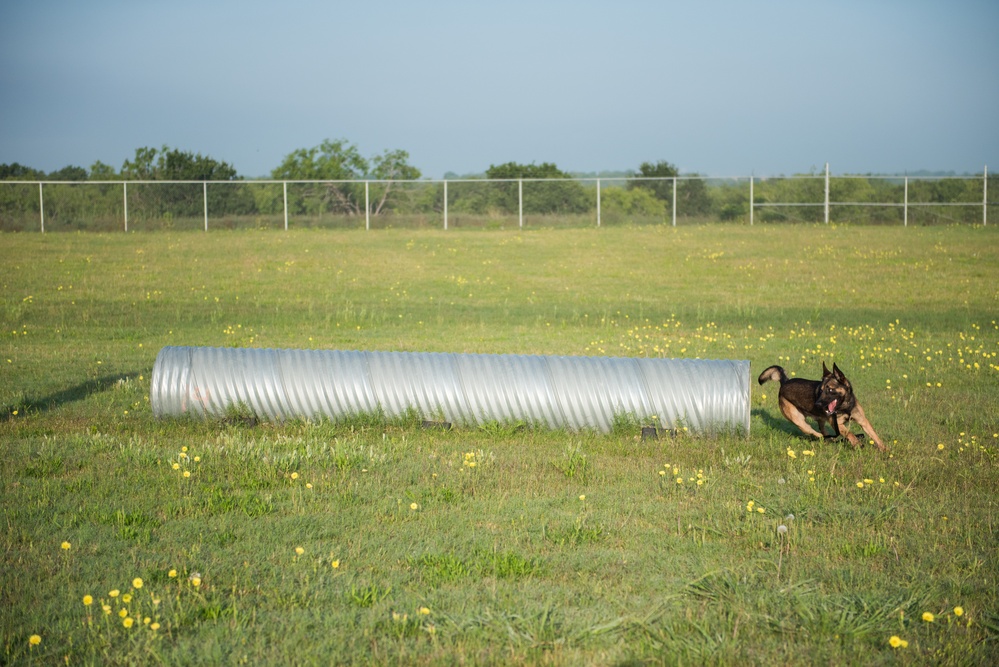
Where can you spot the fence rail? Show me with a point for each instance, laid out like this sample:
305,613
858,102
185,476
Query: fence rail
280,203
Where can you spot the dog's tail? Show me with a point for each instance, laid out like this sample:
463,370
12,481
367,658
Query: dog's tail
775,373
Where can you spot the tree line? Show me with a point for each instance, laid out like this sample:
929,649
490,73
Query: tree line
346,183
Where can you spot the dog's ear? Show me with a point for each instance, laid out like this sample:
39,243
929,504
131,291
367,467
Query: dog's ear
839,375
825,371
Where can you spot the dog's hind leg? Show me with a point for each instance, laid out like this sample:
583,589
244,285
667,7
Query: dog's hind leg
796,417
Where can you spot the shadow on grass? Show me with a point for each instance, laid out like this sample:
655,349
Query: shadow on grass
72,394
775,423
783,425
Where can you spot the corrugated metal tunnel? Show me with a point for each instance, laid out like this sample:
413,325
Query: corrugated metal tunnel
558,392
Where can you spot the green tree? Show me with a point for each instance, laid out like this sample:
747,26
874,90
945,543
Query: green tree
171,164
631,204
545,197
183,199
102,172
391,167
663,174
19,172
692,198
69,173
339,164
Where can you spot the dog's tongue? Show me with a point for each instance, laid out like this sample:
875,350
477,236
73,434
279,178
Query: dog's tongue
832,406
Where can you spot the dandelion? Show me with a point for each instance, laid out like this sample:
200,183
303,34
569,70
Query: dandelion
335,564
34,640
414,506
959,611
154,626
299,550
761,510
172,574
424,611
860,485
782,529
176,466
123,613
791,454
114,593
928,617
127,622
308,485
294,475
582,497
126,598
106,608
88,600
146,620
195,579
197,459
137,583
897,642
940,447
679,480
184,448
66,546
187,473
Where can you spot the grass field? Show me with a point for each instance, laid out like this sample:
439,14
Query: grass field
131,540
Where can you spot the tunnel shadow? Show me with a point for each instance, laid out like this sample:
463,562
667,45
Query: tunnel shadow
77,392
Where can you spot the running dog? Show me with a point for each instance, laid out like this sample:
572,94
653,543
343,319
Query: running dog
829,400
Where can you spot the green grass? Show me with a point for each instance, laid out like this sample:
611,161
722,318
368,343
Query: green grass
555,547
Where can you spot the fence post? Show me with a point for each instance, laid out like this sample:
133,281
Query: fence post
520,201
124,195
41,207
985,196
674,201
827,194
285,184
204,193
905,205
598,202
445,205
751,179
367,208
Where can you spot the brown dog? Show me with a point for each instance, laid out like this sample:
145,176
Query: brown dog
827,400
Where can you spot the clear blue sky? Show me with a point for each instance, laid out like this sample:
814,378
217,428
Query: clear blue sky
725,88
